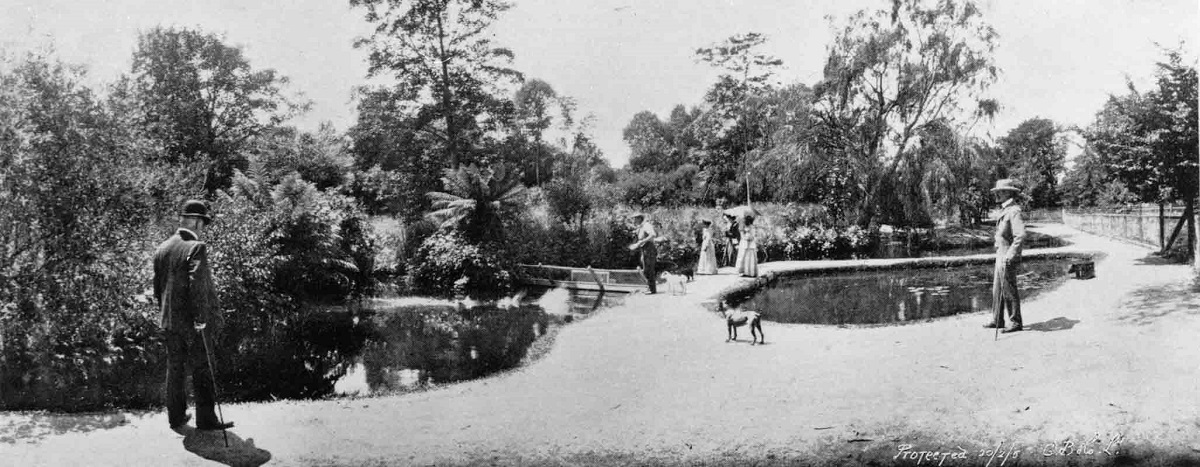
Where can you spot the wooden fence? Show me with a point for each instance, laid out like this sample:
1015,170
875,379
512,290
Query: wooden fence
1141,224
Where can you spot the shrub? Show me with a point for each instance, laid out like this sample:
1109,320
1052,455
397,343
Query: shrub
567,201
446,259
381,191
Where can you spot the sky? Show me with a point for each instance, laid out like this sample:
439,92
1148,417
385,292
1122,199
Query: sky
1060,59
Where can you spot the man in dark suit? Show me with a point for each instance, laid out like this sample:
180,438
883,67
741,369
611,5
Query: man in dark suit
187,298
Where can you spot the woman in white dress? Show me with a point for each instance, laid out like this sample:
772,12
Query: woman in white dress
747,259
708,251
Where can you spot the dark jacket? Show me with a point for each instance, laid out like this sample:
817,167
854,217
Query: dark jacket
183,283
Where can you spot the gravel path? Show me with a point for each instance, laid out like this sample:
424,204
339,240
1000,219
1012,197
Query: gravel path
653,383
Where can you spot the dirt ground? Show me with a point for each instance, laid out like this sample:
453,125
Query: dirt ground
1108,372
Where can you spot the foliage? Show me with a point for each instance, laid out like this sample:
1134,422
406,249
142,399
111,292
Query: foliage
381,191
74,214
321,158
819,242
477,201
660,146
569,202
448,264
533,104
1034,153
1148,141
201,100
644,189
891,73
445,65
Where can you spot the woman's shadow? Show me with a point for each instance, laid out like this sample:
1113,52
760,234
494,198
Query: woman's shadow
223,447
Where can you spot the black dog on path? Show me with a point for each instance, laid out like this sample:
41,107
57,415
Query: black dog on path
737,318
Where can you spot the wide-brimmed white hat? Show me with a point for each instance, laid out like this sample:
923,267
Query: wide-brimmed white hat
1008,184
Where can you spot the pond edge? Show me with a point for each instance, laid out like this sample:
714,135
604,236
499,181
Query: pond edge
777,270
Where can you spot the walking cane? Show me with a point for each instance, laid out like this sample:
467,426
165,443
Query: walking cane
213,374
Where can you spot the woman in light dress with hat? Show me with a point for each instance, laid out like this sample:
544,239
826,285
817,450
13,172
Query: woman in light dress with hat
708,250
747,258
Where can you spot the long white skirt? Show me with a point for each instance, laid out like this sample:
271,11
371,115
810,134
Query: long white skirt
747,260
708,259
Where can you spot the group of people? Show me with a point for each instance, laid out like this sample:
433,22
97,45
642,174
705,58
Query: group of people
740,236
191,319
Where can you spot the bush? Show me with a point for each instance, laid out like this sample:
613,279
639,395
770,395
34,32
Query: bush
75,214
446,265
817,242
567,201
380,191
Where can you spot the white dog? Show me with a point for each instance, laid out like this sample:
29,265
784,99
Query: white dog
676,283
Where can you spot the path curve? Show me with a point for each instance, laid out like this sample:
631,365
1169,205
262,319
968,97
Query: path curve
652,382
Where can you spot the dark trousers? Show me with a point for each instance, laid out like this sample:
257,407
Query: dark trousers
185,351
649,260
1005,297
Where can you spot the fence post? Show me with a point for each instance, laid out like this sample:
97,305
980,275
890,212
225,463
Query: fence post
1162,227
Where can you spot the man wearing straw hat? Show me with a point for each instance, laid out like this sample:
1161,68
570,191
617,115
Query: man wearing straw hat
1010,232
645,235
183,286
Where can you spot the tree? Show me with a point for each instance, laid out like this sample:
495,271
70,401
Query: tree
649,141
321,157
75,207
1148,141
476,201
534,102
444,64
388,138
892,72
1035,153
201,99
736,109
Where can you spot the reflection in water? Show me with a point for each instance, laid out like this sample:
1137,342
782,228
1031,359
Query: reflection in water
393,345
418,346
897,296
900,249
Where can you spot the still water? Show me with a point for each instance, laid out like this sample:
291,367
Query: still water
895,296
412,347
390,346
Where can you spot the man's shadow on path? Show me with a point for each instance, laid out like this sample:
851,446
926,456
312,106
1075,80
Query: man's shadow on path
210,444
1057,324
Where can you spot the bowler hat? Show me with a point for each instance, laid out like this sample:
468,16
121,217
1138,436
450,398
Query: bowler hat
195,208
1008,184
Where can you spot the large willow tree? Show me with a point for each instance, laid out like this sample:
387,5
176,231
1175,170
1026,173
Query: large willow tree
890,74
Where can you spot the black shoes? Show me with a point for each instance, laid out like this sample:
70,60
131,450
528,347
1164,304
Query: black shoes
215,426
186,418
1003,329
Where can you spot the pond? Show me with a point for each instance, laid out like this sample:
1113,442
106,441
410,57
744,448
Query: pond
896,296
896,248
390,346
417,347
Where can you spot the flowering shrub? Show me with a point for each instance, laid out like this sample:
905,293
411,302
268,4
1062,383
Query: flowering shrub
447,264
818,242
